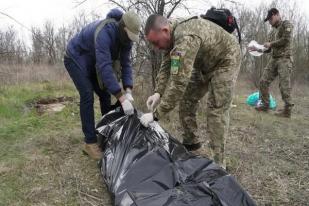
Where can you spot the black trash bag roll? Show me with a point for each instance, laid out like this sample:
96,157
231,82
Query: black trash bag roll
148,167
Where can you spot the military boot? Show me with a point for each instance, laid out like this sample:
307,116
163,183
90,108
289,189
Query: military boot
93,151
262,107
191,143
285,112
192,146
263,103
204,151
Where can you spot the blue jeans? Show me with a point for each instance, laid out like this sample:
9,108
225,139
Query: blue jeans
87,84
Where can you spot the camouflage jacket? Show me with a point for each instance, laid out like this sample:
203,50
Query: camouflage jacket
280,39
197,43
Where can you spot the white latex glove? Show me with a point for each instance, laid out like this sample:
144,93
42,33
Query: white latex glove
128,95
146,119
153,101
127,106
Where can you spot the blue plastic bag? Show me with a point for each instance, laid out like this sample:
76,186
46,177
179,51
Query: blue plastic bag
254,99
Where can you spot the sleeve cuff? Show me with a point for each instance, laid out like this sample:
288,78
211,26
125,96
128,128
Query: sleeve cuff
128,86
118,94
157,114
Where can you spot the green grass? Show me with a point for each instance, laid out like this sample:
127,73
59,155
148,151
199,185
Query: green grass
35,148
19,120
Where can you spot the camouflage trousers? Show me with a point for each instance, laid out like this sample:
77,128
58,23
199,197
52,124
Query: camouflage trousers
281,67
219,85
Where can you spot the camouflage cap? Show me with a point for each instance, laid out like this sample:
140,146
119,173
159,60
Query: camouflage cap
132,25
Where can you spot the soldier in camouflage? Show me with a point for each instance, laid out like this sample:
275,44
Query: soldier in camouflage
281,62
199,57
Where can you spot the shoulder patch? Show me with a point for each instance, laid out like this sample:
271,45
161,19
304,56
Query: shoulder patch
175,61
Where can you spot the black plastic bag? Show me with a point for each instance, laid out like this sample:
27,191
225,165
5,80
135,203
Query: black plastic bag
148,167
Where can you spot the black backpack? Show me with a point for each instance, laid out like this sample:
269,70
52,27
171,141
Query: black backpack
224,18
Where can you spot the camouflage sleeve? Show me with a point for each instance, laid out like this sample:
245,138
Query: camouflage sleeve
271,35
286,35
182,59
270,38
164,74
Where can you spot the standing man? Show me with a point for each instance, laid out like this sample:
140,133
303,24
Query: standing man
94,59
200,57
280,64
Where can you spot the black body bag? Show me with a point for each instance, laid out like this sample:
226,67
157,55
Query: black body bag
148,167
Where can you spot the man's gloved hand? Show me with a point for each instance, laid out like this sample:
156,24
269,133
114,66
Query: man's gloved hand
153,101
126,105
146,119
128,95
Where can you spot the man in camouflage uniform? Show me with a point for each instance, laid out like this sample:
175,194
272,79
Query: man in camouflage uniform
199,57
280,64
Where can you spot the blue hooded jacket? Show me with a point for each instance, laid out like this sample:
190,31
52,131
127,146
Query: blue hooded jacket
88,55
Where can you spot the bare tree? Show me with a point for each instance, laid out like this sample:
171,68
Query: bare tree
7,45
12,49
49,41
80,20
61,40
37,45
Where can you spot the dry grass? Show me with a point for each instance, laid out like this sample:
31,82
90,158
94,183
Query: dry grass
20,74
268,155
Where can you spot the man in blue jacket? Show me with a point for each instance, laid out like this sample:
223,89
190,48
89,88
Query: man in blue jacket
96,59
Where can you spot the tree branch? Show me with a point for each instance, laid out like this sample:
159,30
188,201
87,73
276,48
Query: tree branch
173,8
79,3
118,4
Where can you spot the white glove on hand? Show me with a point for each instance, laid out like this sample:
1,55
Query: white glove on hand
128,95
146,119
153,101
127,106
